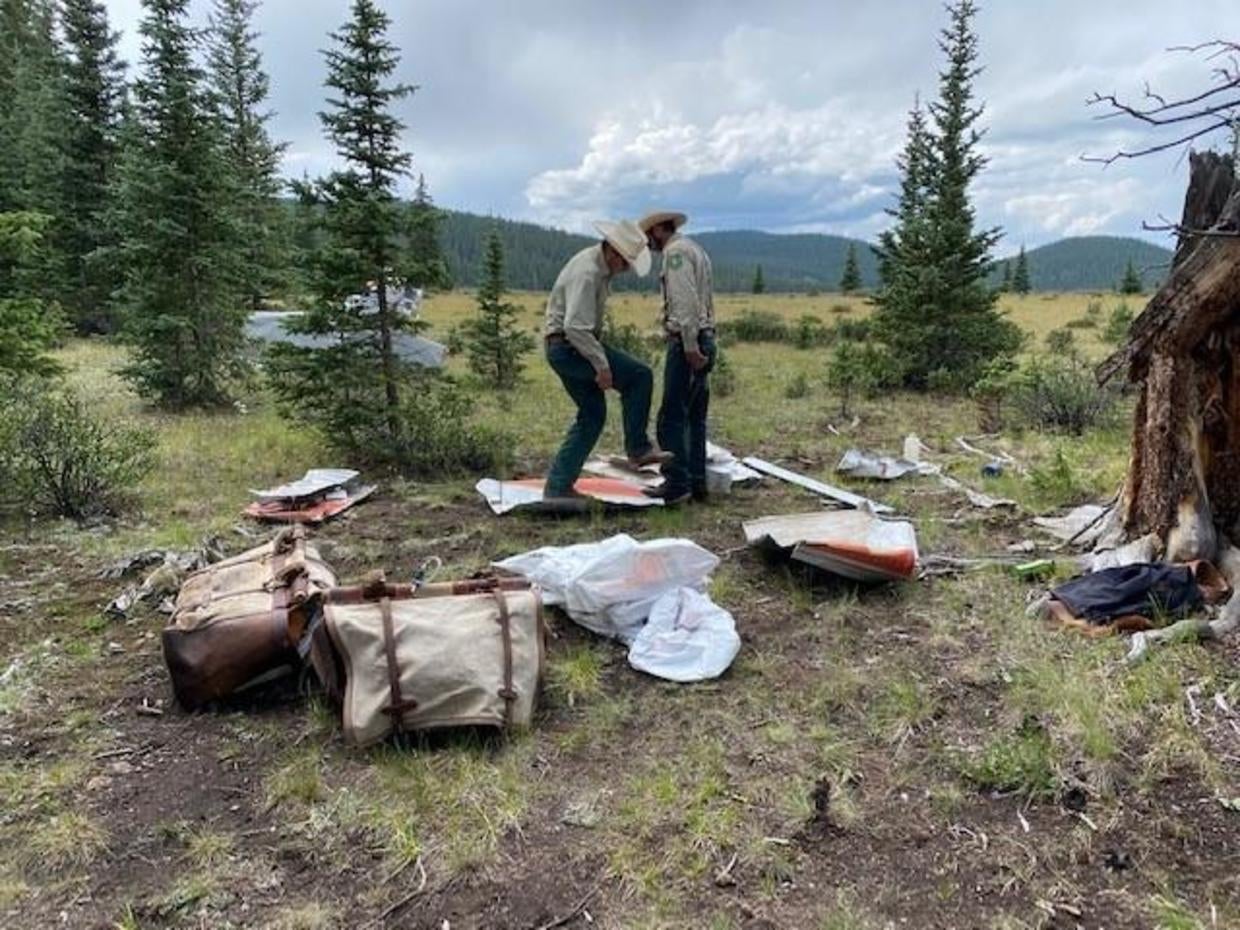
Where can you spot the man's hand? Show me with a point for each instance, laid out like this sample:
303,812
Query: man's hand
696,359
603,380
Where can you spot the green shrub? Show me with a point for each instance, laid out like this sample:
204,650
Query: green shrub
810,332
1118,324
454,341
759,326
628,339
1060,340
858,368
1057,483
439,437
58,458
851,331
798,387
840,309
1059,392
1023,762
723,380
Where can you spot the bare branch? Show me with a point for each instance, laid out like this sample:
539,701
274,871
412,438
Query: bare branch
1150,150
1168,226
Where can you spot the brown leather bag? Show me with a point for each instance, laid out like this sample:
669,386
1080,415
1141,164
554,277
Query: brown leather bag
400,658
243,618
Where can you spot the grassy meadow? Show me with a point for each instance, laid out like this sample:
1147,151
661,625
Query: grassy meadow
917,755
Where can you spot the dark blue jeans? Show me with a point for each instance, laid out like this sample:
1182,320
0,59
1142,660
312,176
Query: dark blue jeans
635,382
682,415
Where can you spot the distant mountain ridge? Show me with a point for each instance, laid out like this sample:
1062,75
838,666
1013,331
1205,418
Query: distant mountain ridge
534,254
1093,263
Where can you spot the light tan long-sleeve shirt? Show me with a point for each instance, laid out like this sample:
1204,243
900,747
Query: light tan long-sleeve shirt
578,301
688,289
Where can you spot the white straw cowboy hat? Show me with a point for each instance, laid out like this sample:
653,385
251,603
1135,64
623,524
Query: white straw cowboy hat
651,220
627,239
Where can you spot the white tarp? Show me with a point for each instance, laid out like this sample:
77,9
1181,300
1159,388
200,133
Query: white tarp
609,587
687,638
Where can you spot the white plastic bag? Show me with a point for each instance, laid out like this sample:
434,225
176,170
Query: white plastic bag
687,638
609,587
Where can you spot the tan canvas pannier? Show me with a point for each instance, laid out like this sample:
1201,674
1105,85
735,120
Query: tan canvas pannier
403,658
243,617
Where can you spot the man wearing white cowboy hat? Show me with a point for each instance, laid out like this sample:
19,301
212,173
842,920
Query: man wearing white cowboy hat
689,321
585,366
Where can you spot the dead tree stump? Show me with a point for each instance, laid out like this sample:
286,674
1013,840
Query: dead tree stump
1183,483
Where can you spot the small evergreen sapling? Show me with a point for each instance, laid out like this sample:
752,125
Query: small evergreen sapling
850,280
1020,280
1131,282
494,339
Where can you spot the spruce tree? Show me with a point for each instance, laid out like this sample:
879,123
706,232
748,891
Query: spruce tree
1131,282
180,244
426,267
494,339
1020,280
95,91
354,388
850,280
759,282
33,116
1005,285
902,249
240,88
938,315
29,328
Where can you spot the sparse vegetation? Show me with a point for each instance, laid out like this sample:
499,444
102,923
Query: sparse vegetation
1058,391
797,387
58,458
1118,323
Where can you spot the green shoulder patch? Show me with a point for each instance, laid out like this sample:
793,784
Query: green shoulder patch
675,261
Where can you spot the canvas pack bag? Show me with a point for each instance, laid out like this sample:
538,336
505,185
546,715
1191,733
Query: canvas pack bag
404,658
243,618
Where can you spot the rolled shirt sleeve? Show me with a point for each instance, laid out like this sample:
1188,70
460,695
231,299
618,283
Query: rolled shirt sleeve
583,319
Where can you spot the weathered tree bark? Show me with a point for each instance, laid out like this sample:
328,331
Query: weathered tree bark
1183,481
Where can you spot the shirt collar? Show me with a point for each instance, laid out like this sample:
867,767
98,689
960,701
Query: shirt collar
601,260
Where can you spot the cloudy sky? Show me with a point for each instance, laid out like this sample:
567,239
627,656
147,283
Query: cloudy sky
782,115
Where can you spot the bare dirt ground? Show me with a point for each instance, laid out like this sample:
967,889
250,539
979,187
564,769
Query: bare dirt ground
821,783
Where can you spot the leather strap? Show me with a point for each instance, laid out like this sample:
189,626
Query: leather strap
399,592
399,705
505,626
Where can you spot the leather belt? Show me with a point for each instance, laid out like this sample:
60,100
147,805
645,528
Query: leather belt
555,339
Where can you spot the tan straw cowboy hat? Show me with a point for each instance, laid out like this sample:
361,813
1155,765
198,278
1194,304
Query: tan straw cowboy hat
651,220
627,239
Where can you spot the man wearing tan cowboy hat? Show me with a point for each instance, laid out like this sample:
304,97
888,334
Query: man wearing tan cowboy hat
689,322
585,366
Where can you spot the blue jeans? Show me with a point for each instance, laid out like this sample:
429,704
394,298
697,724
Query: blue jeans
635,382
682,415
